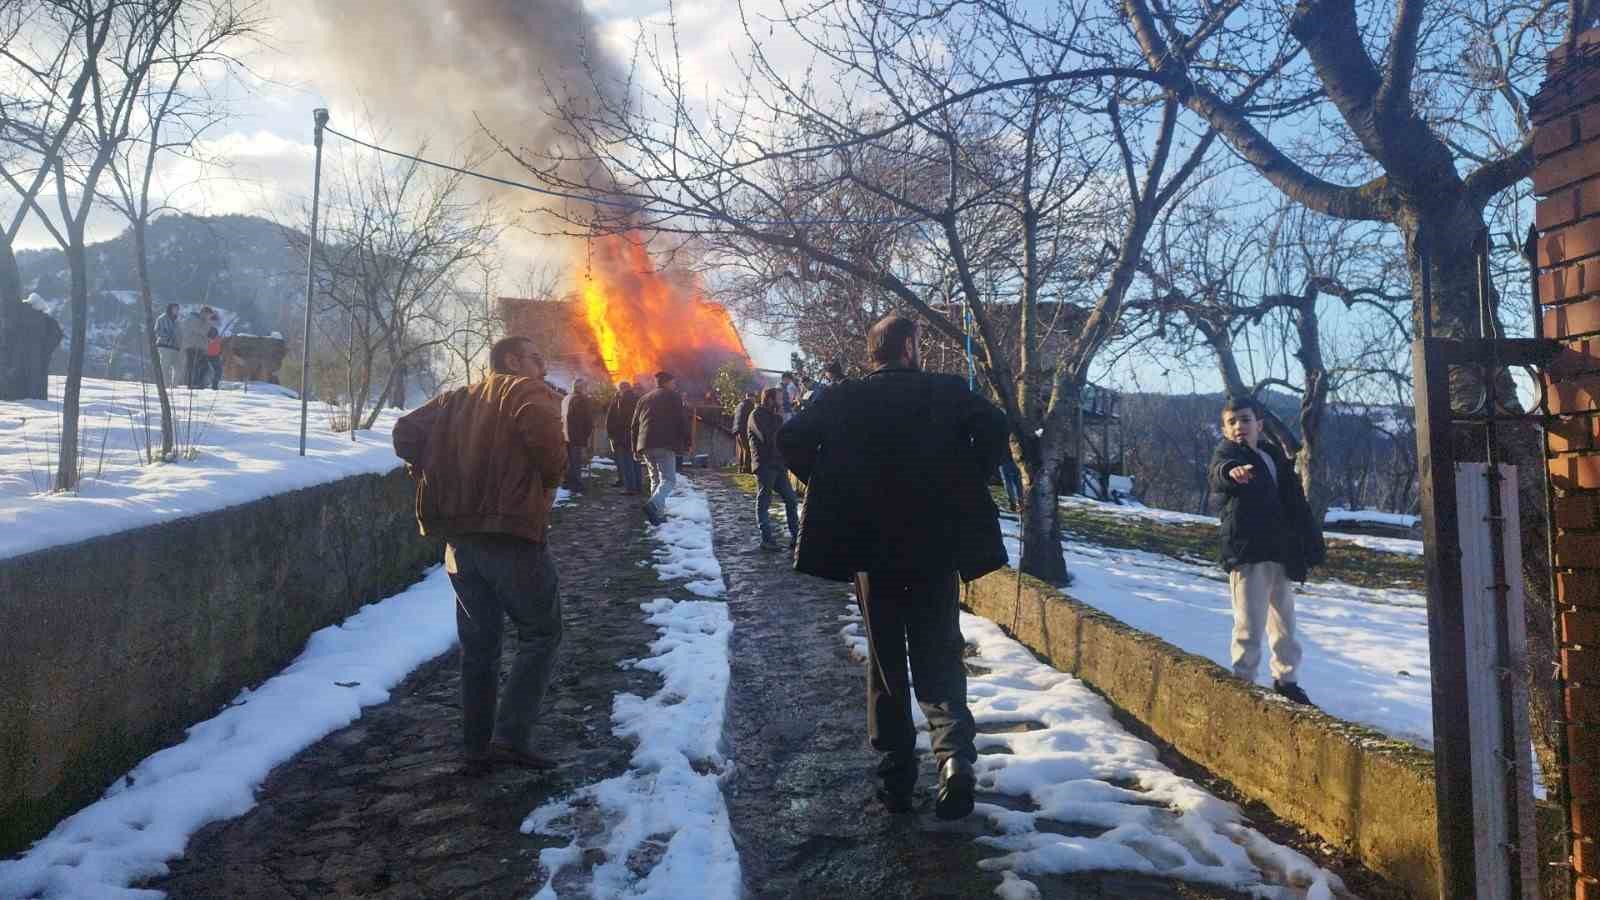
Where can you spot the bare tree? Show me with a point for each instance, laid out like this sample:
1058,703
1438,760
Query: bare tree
400,243
112,47
50,57
1222,282
170,119
975,189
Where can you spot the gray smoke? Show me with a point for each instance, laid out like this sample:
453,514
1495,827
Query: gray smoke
435,69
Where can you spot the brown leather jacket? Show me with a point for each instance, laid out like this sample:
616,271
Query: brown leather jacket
486,458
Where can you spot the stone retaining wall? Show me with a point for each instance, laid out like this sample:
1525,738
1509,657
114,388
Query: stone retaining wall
1360,790
112,646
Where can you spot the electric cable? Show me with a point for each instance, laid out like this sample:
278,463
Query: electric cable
640,207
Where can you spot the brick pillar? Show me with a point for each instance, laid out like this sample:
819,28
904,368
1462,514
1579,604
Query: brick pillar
1567,179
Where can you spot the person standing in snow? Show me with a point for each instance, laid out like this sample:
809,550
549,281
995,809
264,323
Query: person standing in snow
192,340
167,344
487,459
1268,539
662,431
897,468
771,474
577,415
213,355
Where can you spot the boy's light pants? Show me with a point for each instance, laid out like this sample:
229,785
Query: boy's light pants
1263,601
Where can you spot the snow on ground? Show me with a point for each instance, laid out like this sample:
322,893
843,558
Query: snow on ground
1366,650
1088,796
1338,514
685,551
669,805
246,444
1140,511
146,817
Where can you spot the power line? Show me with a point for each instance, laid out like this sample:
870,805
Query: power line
599,200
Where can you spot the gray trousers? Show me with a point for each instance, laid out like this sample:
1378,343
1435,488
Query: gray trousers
497,576
922,617
663,476
1263,602
170,365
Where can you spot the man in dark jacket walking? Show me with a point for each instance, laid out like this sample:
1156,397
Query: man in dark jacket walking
619,421
661,431
741,432
771,474
1267,540
487,459
577,417
896,467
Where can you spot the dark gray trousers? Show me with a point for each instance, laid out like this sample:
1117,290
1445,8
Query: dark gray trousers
497,576
920,617
575,463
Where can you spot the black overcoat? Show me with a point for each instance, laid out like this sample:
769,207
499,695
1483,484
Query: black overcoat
896,467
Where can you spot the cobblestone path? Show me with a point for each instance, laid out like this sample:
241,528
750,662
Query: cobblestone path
378,809
801,799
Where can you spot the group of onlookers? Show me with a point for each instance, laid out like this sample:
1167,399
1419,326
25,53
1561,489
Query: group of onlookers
651,432
190,347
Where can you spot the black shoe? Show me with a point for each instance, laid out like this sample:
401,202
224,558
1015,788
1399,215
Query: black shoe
1291,691
958,785
770,545
651,514
616,484
895,802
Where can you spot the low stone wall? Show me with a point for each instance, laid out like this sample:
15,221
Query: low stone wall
112,646
1357,788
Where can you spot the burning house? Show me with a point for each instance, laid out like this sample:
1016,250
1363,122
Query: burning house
626,320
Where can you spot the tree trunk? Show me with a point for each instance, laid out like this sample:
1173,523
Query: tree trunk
67,459
141,261
1042,553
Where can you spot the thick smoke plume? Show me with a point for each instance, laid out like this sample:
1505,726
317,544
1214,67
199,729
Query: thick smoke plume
435,69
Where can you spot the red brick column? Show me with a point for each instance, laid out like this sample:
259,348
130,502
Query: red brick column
1567,177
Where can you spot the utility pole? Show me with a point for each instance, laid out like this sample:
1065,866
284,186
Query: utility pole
319,118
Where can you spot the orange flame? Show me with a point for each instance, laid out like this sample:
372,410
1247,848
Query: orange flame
645,320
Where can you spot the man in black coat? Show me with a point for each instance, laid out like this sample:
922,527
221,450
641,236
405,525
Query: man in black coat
619,421
741,431
1267,539
896,466
771,474
577,417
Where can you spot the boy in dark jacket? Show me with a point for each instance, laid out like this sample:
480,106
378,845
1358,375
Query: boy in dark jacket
1267,540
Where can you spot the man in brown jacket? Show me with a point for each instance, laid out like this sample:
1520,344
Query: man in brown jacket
487,459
